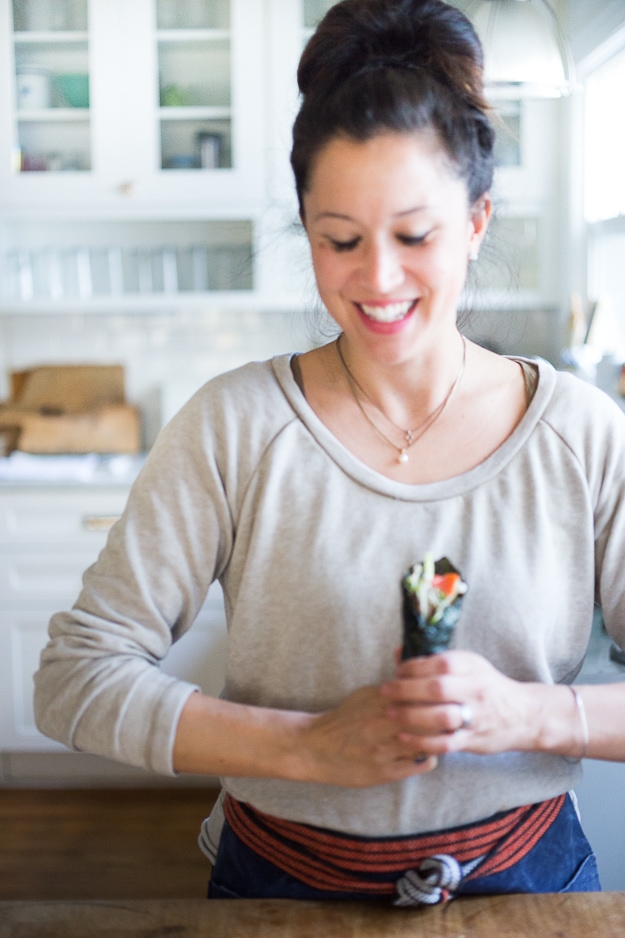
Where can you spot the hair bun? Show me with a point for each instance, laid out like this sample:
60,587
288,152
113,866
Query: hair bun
399,66
361,35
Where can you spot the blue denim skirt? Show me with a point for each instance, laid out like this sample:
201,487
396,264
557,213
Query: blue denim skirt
561,861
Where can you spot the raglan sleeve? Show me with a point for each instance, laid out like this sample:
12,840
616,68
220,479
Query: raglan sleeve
99,686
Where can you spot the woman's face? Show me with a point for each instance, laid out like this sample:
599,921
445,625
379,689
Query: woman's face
391,232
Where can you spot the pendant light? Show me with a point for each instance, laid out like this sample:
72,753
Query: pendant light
526,54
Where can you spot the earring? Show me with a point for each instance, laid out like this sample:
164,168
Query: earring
474,255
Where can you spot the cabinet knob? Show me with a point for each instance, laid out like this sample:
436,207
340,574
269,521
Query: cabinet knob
127,188
99,522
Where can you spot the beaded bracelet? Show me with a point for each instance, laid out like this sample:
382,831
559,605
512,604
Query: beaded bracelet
582,719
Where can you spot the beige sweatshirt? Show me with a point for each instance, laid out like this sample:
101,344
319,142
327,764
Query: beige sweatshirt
248,486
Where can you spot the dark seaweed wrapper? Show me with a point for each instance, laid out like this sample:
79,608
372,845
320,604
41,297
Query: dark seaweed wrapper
420,636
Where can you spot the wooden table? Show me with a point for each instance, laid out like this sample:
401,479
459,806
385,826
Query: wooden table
577,915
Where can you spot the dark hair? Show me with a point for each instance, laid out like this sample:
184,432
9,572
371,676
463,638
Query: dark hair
395,65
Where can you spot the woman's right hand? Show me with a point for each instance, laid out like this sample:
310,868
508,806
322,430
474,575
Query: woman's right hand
356,745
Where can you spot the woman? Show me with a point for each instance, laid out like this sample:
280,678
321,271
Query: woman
309,484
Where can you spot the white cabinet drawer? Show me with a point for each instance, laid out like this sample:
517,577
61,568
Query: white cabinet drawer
38,576
59,517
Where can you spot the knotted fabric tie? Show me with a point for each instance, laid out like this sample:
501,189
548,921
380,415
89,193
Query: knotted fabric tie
436,880
415,869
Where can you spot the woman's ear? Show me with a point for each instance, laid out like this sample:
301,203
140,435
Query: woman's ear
478,224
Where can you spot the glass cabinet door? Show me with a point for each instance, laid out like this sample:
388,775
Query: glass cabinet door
314,11
206,119
51,64
195,94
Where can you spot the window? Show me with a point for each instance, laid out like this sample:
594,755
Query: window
605,141
605,202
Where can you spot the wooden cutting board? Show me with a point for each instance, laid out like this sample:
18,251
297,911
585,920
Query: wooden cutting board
109,429
70,409
67,389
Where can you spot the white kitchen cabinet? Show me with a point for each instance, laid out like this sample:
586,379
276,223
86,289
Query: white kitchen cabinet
115,212
138,106
132,154
48,537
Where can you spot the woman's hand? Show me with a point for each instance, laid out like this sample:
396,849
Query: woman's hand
357,744
376,733
458,701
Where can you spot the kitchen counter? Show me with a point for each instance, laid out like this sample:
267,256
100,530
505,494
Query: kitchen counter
92,469
551,916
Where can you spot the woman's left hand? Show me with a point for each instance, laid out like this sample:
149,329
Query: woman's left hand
458,701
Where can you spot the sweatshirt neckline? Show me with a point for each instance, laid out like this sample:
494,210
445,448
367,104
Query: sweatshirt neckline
446,488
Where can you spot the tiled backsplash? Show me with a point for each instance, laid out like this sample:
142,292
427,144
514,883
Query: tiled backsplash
169,355
156,350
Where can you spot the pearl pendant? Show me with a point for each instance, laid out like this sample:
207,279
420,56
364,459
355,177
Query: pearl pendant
403,456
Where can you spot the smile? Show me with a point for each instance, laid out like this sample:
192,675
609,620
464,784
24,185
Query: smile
387,312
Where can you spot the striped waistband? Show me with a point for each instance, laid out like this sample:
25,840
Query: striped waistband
421,868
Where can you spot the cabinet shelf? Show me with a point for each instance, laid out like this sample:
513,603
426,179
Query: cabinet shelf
194,112
54,114
50,38
193,35
235,301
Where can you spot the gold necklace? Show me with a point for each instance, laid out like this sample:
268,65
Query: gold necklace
411,436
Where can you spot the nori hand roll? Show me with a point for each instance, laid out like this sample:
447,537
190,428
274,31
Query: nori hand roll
432,602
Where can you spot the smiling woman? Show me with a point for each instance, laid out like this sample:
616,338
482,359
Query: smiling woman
310,484
391,231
